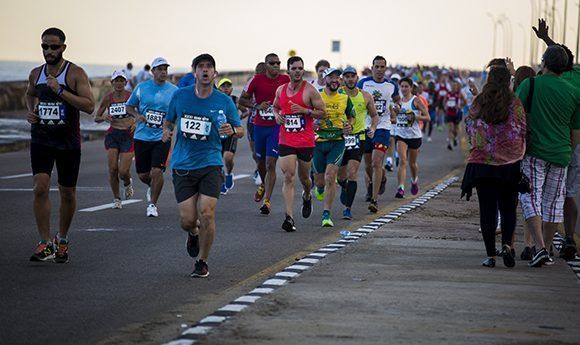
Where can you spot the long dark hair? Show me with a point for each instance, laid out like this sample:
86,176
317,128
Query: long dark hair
492,104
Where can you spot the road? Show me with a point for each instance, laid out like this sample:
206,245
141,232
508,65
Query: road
128,276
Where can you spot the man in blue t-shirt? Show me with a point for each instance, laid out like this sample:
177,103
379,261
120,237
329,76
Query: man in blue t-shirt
188,79
200,114
148,104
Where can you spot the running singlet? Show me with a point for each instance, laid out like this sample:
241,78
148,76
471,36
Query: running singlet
58,124
442,89
405,128
353,140
452,103
339,109
383,94
264,90
298,129
152,100
197,141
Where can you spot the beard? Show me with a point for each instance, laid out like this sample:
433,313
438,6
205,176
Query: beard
53,61
332,87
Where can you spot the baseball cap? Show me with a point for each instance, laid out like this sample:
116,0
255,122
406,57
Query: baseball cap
349,69
223,81
159,61
331,70
395,76
116,74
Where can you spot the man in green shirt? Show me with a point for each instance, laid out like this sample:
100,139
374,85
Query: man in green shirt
553,105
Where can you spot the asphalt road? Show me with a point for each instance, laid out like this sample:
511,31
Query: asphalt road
128,276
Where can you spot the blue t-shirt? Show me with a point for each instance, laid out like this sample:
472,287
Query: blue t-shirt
198,143
187,80
153,101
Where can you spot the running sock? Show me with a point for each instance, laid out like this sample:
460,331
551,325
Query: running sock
58,237
402,186
351,187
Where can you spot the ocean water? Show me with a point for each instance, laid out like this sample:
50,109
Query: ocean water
19,70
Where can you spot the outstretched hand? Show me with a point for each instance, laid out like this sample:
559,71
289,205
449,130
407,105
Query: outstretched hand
542,29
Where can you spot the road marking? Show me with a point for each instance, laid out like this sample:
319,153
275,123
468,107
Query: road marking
15,176
241,176
98,230
108,206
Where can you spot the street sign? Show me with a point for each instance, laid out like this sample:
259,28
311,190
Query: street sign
335,47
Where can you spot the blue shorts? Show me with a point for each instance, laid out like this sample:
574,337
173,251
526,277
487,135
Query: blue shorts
250,126
433,115
266,141
381,139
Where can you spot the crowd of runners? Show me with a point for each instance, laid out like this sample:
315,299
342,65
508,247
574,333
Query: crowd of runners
319,131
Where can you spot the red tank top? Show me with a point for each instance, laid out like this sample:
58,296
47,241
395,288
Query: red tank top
452,103
298,129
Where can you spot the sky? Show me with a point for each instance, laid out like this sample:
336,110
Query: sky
456,33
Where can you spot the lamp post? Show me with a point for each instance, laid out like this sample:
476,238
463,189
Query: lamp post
523,42
494,31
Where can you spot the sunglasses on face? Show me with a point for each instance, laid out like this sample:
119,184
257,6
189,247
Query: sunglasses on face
51,46
274,63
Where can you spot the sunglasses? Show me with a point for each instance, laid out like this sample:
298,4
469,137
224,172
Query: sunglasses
274,63
51,46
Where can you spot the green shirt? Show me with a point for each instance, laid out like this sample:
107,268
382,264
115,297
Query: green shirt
553,106
573,77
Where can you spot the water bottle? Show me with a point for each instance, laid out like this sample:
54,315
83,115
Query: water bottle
344,233
221,120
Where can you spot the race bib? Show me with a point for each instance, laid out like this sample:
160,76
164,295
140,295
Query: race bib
51,113
402,119
442,93
294,123
118,110
451,103
154,118
351,142
195,127
268,114
381,106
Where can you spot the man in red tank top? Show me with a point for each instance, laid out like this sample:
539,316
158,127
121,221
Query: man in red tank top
296,105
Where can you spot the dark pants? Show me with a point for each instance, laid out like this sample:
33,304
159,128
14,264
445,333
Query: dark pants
496,195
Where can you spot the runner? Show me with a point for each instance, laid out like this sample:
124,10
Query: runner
442,88
230,143
148,104
329,149
354,144
408,135
260,69
263,87
384,92
452,105
296,105
432,101
202,115
119,138
321,66
57,91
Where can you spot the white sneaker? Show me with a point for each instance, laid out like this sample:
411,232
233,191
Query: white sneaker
152,211
128,190
429,139
117,205
257,180
149,194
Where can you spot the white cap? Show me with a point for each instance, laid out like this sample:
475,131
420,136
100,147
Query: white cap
159,61
395,76
117,74
331,70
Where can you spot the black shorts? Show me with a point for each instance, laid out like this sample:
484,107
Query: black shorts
303,153
206,181
353,154
453,119
68,163
413,144
368,145
120,139
150,154
230,144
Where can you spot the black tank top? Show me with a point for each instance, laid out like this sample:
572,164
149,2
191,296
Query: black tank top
59,125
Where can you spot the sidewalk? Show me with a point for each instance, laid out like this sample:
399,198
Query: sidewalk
415,280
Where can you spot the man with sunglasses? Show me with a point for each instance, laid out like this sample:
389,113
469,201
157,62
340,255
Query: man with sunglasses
57,92
263,88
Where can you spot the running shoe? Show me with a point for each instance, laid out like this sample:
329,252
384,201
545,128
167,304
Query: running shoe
117,204
152,211
440,128
489,262
319,193
508,256
449,147
414,187
148,195
326,221
382,186
61,250
257,178
288,224
540,258
429,139
223,189
306,205
265,208
396,159
549,262
568,251
455,142
128,190
229,181
347,214
44,251
373,207
526,254
259,195
400,193
200,269
389,166
192,244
